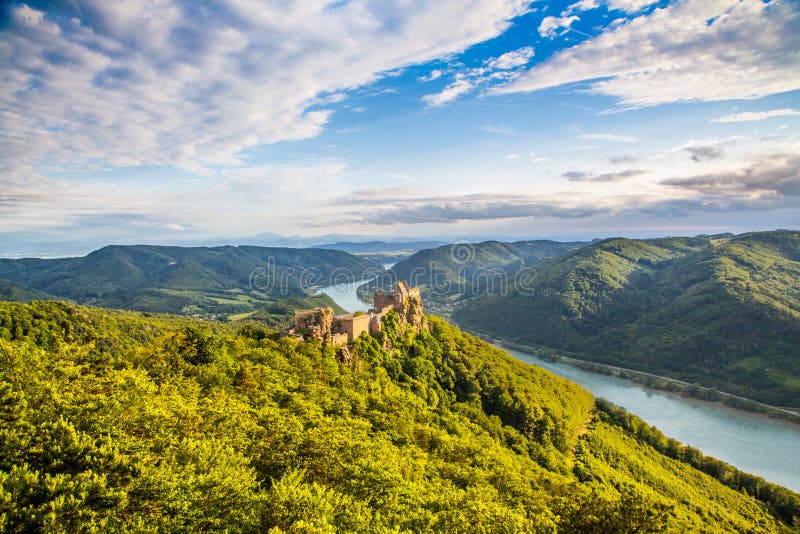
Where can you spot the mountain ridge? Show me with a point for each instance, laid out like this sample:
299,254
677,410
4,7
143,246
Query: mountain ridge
210,281
722,312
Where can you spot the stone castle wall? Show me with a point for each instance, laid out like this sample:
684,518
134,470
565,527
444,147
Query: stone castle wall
351,325
320,323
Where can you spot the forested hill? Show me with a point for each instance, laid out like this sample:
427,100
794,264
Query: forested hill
9,291
119,422
723,312
451,272
216,281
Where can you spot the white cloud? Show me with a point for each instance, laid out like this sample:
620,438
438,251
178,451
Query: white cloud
630,6
583,5
177,82
450,93
693,50
175,227
512,156
550,25
698,143
498,130
606,177
757,115
496,69
610,137
435,74
511,60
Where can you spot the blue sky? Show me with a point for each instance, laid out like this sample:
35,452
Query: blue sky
172,121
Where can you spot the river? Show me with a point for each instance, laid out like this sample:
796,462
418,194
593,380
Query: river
344,295
751,442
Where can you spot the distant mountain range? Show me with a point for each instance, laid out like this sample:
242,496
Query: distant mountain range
382,252
218,281
380,246
47,247
723,311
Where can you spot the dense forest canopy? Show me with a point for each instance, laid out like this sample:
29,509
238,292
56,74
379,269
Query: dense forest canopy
451,272
722,311
122,421
209,282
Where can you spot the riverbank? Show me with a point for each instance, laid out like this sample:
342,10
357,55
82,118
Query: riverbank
752,442
650,380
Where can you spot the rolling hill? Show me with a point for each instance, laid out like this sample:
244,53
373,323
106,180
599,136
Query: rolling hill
451,272
118,421
382,252
211,282
11,292
721,311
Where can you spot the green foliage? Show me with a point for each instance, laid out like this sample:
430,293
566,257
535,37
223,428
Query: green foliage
119,422
11,292
782,502
280,314
210,282
451,272
720,312
197,346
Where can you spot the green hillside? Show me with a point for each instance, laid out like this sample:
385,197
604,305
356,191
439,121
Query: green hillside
11,292
448,273
724,312
209,282
116,421
381,252
280,314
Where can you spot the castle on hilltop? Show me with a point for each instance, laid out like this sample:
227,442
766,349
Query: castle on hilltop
322,324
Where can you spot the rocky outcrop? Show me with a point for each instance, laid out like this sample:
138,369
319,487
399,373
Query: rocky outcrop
320,323
314,323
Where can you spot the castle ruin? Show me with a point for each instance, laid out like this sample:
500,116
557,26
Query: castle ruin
320,323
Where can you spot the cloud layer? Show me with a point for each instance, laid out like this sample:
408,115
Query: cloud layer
195,83
747,116
775,175
692,50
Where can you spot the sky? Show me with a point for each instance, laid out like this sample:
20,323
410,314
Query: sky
167,121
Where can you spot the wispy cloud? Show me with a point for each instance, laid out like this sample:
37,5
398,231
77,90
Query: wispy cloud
503,67
702,149
618,160
474,207
435,74
630,6
450,93
610,137
583,5
498,130
771,175
638,65
746,116
511,60
704,153
194,84
550,25
576,176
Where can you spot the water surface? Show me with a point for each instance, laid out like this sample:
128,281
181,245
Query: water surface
344,295
754,443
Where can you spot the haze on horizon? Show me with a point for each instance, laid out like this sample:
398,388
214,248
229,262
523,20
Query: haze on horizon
175,121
